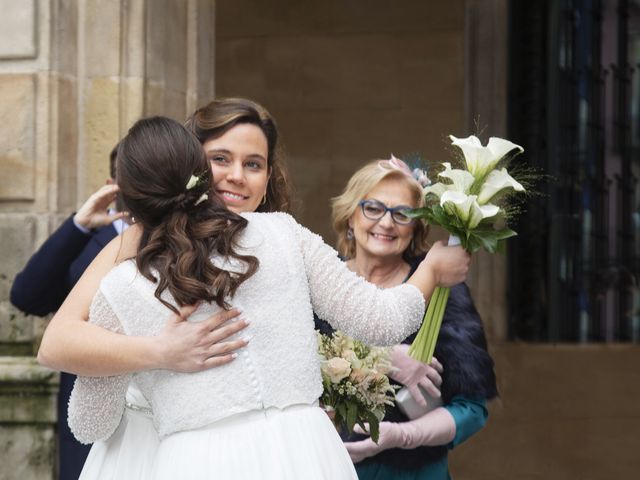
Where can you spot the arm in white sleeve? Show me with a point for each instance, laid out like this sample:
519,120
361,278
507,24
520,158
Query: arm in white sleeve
96,404
353,305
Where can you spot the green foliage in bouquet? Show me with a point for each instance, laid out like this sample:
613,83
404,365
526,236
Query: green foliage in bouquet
355,381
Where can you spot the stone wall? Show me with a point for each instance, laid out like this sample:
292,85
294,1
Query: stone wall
74,75
347,82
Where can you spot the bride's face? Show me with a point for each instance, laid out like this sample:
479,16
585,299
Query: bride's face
240,168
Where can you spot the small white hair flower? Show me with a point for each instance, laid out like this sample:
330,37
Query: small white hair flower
193,181
201,199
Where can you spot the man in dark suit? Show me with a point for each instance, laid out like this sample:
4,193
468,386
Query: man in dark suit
41,287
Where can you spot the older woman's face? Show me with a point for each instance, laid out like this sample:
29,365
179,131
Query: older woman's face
384,237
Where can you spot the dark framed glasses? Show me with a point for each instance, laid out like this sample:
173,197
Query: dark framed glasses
375,210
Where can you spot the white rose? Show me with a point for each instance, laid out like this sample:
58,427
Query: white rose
337,368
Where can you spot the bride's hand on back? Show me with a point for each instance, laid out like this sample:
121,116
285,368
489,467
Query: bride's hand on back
196,346
449,264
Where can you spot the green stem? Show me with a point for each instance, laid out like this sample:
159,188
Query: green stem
442,305
430,327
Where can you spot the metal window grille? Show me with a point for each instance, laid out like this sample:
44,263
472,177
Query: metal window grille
574,104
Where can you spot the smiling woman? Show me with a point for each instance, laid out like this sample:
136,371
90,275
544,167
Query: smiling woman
240,167
240,138
383,245
386,235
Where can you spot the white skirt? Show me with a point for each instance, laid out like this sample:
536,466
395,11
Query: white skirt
129,453
298,442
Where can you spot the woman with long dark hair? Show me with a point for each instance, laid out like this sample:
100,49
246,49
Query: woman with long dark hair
256,417
240,139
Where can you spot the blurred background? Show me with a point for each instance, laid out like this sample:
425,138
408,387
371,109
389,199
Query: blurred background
349,81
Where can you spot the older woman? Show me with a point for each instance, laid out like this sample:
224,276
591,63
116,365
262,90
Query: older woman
384,245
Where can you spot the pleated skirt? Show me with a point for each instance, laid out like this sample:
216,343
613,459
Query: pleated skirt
129,453
296,443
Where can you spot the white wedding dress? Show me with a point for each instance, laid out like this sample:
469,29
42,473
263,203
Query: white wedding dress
130,452
256,417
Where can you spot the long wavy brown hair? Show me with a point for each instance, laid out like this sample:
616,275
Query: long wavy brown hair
219,116
182,227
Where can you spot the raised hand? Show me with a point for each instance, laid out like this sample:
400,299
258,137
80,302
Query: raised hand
449,265
196,346
93,213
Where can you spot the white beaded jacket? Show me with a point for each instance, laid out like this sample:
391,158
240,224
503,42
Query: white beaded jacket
298,273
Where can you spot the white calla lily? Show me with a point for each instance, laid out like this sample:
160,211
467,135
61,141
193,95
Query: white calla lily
495,182
437,189
467,208
461,180
479,159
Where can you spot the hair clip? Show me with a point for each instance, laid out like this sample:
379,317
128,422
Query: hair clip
201,199
417,174
193,181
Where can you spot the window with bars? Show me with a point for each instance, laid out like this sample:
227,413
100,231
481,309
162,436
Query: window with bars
574,104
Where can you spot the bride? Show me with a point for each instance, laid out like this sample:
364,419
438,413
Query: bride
256,417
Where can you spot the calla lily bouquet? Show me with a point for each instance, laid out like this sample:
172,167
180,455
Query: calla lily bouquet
355,381
474,204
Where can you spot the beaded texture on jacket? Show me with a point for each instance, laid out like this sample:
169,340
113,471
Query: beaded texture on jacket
280,366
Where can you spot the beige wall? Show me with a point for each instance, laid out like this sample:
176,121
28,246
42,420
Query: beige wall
566,413
347,81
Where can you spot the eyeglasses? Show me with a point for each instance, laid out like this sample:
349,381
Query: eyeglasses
375,210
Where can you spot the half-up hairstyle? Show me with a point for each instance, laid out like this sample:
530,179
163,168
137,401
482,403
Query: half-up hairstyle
182,227
219,116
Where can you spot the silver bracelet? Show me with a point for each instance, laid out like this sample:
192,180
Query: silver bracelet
137,408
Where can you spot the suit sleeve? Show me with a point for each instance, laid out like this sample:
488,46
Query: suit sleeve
41,287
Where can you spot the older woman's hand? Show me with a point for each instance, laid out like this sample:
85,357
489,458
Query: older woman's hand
413,374
437,427
449,265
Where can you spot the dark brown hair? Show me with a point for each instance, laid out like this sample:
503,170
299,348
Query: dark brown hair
219,116
182,227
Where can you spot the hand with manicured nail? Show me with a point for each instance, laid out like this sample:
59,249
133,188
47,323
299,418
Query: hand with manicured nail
196,346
